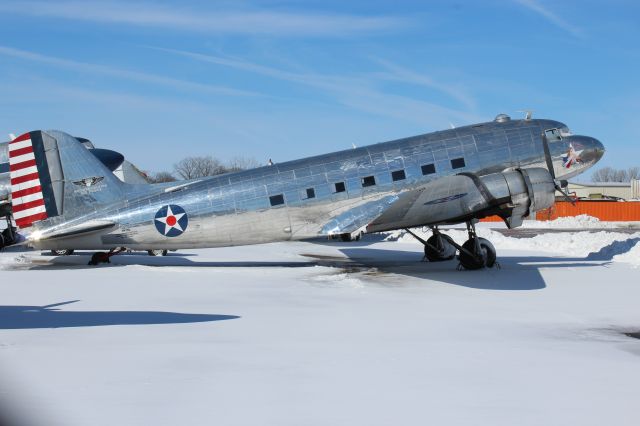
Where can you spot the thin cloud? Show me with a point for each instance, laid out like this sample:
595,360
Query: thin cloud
122,73
551,17
398,73
235,22
354,92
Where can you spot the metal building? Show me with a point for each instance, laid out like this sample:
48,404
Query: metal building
600,190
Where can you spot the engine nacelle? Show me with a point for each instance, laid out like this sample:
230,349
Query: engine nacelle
460,198
516,194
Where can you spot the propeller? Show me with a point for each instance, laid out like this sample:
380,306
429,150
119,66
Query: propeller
558,184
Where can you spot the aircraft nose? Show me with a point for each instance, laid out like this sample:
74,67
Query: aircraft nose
599,148
595,148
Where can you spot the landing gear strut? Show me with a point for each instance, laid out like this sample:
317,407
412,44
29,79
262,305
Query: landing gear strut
476,252
438,247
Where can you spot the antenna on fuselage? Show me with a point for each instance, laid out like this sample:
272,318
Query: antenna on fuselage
11,136
451,125
528,113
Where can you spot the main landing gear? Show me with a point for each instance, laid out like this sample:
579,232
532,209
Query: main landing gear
475,253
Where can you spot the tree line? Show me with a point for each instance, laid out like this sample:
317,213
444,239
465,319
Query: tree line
203,166
609,174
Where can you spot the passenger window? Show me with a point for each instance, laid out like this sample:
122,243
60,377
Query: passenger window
457,163
368,181
428,169
340,187
398,175
311,193
276,200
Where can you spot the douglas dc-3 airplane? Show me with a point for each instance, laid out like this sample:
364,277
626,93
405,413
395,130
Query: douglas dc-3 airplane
65,198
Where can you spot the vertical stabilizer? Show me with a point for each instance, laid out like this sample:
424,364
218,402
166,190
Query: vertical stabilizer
53,174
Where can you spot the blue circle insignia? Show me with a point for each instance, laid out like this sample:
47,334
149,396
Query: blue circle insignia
171,220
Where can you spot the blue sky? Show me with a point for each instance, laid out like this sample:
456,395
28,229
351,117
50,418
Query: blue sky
160,80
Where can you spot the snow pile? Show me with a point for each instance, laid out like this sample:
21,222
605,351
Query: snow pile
571,222
604,245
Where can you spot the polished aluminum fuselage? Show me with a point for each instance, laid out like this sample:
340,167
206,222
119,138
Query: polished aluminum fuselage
235,208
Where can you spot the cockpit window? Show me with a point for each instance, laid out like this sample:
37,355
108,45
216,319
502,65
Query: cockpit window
553,135
564,131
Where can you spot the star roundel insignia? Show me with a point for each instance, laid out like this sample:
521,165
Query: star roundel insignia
171,220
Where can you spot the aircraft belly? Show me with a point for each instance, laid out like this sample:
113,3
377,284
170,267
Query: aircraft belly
252,227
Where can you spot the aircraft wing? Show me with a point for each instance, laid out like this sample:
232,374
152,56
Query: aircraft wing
459,198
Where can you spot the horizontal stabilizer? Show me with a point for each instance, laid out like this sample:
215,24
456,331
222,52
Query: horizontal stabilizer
84,228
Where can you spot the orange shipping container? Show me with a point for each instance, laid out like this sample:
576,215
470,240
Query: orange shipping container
612,211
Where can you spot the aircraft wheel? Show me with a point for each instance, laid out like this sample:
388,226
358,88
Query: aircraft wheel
486,257
442,248
65,252
157,252
346,238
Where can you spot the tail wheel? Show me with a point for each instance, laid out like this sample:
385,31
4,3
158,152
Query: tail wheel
157,252
485,258
65,252
439,248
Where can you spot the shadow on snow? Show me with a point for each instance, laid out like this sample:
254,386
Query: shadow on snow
26,317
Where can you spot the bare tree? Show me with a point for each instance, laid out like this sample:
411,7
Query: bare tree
242,163
604,174
620,176
197,167
609,174
163,177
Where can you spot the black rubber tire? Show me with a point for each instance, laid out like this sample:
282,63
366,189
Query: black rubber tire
442,248
487,256
65,252
157,252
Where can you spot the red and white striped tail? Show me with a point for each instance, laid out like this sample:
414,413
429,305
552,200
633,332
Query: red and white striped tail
26,190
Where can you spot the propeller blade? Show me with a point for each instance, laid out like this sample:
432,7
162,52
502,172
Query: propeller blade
547,156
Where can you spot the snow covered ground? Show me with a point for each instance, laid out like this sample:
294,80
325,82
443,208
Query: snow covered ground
326,334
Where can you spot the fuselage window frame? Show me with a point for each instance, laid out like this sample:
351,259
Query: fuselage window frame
311,193
276,200
339,187
428,169
458,163
397,175
368,181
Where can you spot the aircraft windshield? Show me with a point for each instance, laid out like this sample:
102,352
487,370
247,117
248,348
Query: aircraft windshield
553,135
565,131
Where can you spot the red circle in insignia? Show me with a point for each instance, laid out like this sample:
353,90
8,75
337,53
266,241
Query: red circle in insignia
171,220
